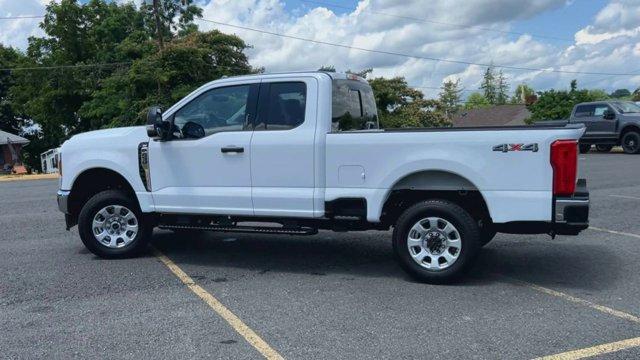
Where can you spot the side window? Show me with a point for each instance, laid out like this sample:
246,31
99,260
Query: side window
221,109
286,104
584,111
353,106
600,109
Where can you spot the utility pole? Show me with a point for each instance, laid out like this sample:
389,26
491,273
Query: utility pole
156,14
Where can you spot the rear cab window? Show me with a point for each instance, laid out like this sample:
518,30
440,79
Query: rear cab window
353,106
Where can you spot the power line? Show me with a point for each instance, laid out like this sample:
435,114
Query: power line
65,66
412,56
21,17
463,26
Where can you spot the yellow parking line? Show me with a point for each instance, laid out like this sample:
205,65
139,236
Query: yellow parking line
614,232
594,350
573,299
240,327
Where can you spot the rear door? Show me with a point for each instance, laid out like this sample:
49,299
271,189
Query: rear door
282,148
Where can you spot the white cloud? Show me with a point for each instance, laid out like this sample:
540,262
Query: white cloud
16,32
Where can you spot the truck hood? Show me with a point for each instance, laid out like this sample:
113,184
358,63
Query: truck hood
97,138
631,117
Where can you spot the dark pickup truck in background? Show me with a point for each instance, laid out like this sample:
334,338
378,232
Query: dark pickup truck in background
608,123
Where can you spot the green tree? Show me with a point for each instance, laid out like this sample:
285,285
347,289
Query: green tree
502,89
450,97
522,94
9,120
113,68
636,95
475,101
489,85
185,64
620,93
553,104
401,106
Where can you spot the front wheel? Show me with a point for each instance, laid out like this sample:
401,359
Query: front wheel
631,142
604,148
436,241
111,225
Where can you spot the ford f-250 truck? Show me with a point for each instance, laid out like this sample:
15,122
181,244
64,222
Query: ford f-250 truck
608,124
299,152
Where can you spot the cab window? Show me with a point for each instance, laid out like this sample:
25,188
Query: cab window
600,109
285,105
353,106
221,109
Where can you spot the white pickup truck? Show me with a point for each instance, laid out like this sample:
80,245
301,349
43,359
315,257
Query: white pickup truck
298,152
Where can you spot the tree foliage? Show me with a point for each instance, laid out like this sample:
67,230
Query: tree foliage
400,106
620,93
524,94
554,104
10,121
113,69
450,97
475,101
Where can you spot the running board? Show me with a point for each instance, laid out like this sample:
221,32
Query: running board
245,229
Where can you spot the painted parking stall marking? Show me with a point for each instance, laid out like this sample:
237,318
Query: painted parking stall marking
238,325
594,350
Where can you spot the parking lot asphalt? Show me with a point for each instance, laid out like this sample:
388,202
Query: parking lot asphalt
332,295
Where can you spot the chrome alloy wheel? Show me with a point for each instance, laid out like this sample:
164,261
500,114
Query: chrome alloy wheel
434,243
115,226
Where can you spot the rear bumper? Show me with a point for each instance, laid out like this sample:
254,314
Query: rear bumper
571,216
572,213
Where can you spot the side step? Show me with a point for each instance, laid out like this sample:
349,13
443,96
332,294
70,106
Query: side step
246,229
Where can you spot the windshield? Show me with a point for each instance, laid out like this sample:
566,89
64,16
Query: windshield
626,107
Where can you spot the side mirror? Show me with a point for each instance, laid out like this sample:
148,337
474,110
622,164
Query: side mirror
156,128
609,115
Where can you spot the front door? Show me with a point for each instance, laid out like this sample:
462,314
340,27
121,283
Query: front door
206,168
601,126
282,148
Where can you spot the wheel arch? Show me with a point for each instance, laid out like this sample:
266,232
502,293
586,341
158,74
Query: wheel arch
94,180
628,128
434,184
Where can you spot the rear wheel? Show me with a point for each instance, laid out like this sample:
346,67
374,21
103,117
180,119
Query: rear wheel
631,142
112,226
604,148
436,241
584,148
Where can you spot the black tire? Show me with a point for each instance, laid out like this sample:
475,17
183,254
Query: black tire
105,199
604,148
467,227
631,142
584,148
487,234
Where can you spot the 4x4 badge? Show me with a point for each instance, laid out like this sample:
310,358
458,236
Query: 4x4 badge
516,147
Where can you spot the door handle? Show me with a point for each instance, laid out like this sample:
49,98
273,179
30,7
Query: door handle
231,149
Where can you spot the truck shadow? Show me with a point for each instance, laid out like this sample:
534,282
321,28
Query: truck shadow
370,254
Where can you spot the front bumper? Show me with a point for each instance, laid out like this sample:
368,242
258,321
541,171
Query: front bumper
63,205
63,201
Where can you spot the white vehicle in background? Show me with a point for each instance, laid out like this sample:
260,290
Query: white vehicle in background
303,150
49,161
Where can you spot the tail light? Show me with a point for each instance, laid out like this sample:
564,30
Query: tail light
564,161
